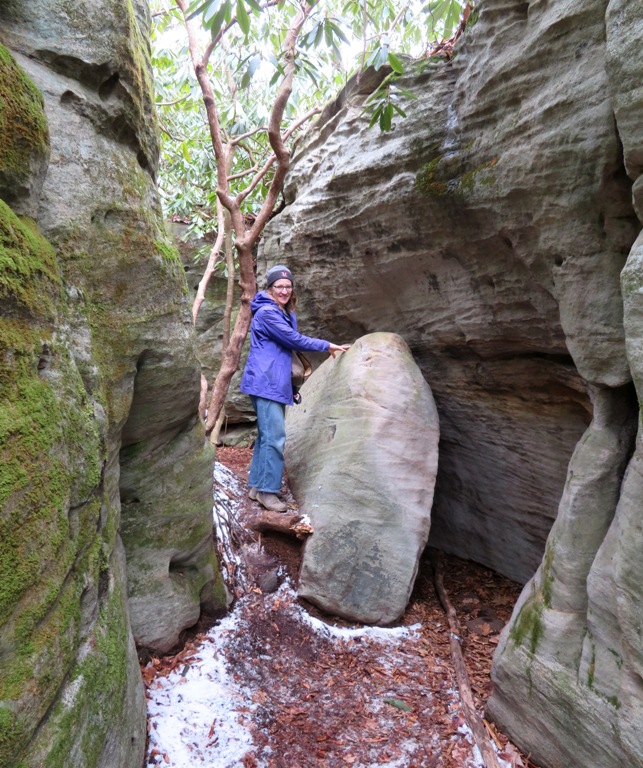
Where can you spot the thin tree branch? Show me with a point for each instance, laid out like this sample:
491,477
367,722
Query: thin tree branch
208,99
172,103
166,131
257,178
241,174
301,121
260,174
243,136
398,18
274,126
213,43
213,259
364,20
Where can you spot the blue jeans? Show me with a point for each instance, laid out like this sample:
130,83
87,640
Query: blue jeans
267,467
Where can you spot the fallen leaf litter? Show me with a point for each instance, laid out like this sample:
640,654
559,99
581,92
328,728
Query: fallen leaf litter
278,685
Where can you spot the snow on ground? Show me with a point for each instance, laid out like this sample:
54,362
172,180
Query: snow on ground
194,720
199,715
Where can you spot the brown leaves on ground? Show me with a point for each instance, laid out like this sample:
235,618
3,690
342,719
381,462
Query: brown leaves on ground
322,700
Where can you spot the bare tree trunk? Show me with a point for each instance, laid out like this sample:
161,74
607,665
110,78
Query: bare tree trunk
248,240
227,315
229,299
244,241
212,263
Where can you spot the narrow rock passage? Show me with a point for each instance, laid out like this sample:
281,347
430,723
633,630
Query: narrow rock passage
273,686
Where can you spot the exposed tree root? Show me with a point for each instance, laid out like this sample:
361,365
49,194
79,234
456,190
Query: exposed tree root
474,721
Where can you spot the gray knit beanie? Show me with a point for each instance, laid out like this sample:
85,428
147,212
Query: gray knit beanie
277,273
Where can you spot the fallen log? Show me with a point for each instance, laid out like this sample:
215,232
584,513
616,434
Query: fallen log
289,523
474,721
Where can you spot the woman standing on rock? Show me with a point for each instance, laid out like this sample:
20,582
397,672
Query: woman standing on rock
267,379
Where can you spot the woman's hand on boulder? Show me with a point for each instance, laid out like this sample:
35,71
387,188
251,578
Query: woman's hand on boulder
334,348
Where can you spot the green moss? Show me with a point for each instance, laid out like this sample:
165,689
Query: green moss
470,178
33,483
23,124
591,670
617,657
528,628
28,267
99,681
50,459
46,650
50,454
547,581
426,180
434,181
11,734
171,257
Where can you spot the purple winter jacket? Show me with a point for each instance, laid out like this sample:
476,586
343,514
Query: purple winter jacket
273,338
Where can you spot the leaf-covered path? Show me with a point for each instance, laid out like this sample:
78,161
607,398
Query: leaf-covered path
277,686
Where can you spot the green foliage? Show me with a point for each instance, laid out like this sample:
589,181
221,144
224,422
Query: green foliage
443,17
384,103
246,68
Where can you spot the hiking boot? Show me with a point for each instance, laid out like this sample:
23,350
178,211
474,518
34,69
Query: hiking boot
252,494
271,501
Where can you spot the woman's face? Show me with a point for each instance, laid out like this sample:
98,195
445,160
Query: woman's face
281,291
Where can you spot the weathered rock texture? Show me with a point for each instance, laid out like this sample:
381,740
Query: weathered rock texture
490,230
574,644
96,352
362,456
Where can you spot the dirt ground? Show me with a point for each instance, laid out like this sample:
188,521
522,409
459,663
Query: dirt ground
320,702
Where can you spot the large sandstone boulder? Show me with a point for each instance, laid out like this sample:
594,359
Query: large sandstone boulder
97,351
361,457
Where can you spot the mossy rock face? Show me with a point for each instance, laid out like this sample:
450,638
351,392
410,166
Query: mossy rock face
98,717
24,149
97,350
101,44
57,530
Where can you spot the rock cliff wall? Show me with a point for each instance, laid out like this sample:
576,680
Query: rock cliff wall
495,229
98,392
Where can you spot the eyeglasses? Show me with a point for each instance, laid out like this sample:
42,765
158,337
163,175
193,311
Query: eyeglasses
282,288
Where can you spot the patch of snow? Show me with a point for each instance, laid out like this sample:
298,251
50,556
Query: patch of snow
388,634
195,720
226,483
